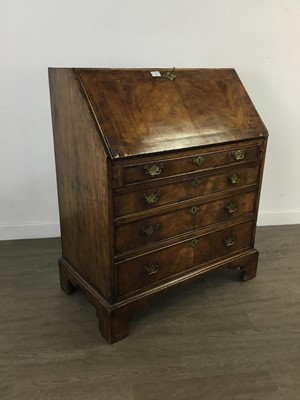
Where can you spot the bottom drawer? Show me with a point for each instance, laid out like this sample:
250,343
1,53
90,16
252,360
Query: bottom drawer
147,269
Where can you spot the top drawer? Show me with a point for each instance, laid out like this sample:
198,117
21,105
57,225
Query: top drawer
204,159
159,167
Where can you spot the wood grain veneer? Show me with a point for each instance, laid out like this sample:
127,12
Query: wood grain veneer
158,182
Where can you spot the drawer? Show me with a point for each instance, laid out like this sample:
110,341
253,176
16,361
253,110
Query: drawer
185,219
197,161
151,268
146,199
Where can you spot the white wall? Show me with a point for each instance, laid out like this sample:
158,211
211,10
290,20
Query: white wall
260,38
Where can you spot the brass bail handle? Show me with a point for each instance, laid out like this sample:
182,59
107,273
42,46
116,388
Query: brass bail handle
151,198
153,170
229,241
151,269
238,155
231,208
234,179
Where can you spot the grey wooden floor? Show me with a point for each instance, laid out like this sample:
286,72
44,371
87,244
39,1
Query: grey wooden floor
218,338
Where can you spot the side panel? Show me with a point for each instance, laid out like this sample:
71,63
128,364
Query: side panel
83,179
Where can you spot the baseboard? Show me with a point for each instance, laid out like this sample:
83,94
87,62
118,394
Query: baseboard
29,231
51,229
266,218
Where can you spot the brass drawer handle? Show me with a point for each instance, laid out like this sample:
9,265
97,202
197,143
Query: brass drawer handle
153,170
196,182
151,269
194,242
198,160
151,230
234,179
238,155
151,198
229,241
193,210
231,208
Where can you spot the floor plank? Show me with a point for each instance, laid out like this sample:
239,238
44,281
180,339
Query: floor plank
217,338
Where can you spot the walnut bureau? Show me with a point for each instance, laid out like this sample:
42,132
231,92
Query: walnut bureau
159,176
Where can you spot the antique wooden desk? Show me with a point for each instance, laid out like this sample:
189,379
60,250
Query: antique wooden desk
158,180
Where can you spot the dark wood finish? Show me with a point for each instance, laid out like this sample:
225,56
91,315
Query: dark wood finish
210,158
172,260
192,188
83,183
113,320
183,219
158,182
139,114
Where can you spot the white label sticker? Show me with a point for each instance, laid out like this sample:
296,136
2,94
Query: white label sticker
155,74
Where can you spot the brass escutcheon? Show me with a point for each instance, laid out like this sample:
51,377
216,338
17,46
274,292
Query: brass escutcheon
194,242
170,75
151,269
238,155
229,241
151,230
196,182
153,170
193,210
198,160
231,208
151,198
234,179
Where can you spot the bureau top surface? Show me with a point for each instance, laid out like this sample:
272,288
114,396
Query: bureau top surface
141,114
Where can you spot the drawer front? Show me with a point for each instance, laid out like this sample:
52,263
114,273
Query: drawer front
160,195
203,160
142,271
153,229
